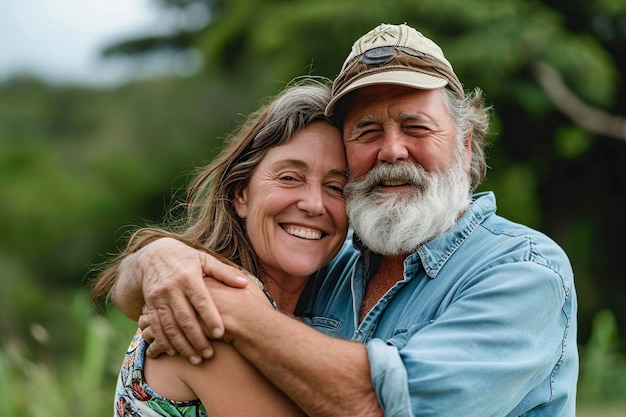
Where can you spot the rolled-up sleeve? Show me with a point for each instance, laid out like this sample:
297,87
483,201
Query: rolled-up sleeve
489,347
389,378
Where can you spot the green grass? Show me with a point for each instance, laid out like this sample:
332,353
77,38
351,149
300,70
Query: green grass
79,380
38,383
601,410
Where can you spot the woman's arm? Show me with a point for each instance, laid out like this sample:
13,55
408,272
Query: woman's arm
228,385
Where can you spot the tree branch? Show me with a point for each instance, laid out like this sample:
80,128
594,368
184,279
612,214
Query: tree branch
584,115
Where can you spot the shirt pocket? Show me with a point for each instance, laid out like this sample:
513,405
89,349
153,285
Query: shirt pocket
323,324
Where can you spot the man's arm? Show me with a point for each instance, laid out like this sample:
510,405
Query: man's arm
323,375
127,293
165,280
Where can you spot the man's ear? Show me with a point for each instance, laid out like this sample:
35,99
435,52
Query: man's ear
241,202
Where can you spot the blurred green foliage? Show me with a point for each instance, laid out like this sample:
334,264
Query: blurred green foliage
604,370
82,383
79,167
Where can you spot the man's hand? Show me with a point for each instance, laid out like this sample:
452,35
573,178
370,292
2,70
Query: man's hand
178,307
235,302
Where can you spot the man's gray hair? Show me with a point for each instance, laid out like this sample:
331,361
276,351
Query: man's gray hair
471,115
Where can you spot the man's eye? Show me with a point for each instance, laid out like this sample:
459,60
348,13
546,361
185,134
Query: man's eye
416,128
367,135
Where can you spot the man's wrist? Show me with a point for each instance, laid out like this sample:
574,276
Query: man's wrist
126,292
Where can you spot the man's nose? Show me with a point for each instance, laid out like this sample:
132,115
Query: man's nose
312,201
393,148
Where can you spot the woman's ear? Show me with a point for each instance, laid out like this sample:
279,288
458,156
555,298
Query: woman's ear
241,202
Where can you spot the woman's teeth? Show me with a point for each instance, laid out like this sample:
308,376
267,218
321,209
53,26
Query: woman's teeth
305,234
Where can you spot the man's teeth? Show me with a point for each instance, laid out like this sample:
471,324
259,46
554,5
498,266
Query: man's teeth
305,234
393,182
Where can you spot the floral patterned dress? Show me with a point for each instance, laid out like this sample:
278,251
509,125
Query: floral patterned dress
135,398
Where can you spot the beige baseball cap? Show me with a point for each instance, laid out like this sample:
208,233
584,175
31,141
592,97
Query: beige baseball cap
394,54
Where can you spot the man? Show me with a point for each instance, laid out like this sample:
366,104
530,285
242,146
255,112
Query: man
439,307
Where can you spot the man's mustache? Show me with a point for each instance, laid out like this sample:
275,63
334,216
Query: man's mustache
386,174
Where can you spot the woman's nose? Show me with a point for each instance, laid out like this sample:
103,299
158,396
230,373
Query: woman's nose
312,201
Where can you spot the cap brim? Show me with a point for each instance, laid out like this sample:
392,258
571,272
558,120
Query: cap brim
398,77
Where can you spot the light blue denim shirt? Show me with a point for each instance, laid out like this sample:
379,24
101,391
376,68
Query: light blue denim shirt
482,324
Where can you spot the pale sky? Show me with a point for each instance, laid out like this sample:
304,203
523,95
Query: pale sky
60,40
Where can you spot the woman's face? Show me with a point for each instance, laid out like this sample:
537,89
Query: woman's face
294,206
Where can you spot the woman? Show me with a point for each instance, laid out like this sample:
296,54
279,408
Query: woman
271,202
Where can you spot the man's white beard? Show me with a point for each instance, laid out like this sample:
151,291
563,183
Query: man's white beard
395,223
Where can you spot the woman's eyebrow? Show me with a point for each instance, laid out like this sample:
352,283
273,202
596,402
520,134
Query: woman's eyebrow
297,163
343,173
290,163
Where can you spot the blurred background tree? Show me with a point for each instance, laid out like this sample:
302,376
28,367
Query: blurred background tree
81,166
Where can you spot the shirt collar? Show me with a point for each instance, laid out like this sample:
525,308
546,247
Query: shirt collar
434,254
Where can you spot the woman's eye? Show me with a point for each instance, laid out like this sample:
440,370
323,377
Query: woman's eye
288,178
